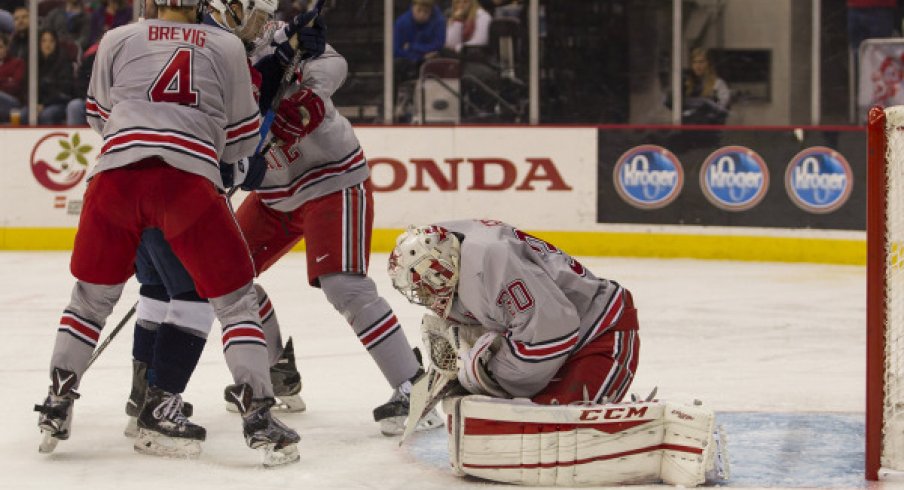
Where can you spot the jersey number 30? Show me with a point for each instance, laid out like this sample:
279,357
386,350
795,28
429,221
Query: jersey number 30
175,81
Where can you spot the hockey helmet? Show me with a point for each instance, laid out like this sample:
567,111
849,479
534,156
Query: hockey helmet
424,266
255,14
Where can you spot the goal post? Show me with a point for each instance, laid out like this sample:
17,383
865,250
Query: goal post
885,292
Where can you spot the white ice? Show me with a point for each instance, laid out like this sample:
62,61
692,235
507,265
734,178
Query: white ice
742,337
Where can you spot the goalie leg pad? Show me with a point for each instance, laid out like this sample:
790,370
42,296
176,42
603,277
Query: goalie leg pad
516,441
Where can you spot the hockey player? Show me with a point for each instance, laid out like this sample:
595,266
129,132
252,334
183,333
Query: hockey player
318,188
549,329
171,100
547,351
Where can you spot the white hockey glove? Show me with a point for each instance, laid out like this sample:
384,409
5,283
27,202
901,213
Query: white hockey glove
473,372
444,339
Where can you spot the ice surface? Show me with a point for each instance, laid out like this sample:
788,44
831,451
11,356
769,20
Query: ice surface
776,349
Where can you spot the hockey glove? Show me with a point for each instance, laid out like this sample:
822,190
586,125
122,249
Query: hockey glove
473,371
298,115
312,39
250,172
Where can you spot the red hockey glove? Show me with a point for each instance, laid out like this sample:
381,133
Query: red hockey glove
298,115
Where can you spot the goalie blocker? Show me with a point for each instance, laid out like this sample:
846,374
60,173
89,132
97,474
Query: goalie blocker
520,442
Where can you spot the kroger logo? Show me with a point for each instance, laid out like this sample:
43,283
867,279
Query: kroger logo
819,180
648,177
734,178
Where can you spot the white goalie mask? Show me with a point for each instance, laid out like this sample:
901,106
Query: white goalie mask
424,267
255,14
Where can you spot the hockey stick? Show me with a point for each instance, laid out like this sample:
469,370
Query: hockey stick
287,79
426,393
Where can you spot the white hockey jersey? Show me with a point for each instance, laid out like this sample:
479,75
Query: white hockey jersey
545,303
327,160
178,91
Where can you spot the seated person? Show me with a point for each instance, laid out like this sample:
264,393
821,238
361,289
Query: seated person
706,96
468,25
12,79
418,34
55,79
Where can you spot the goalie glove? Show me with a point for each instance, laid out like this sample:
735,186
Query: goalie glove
473,371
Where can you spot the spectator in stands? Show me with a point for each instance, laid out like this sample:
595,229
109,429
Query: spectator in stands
18,42
418,34
56,75
75,109
112,13
502,8
468,25
71,21
6,22
706,96
12,80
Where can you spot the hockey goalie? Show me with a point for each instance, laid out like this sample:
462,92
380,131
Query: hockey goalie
532,355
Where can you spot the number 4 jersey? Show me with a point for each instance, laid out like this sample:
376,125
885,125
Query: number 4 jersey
545,302
178,91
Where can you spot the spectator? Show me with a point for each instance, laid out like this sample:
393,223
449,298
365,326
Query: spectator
114,13
71,21
418,34
75,109
55,79
6,22
502,8
18,42
468,25
12,80
706,96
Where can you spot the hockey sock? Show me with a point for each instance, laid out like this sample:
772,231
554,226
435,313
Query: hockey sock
176,355
151,310
270,325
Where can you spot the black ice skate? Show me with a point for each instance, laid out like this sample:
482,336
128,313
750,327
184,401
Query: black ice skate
56,411
277,442
164,429
136,398
393,414
287,382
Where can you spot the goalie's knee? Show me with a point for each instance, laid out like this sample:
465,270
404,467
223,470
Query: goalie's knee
520,442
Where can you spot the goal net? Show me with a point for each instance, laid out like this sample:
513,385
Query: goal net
885,293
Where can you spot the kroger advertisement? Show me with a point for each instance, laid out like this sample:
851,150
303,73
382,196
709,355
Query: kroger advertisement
772,178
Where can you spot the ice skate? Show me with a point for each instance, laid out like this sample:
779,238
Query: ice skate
164,429
392,415
56,411
136,398
276,441
286,383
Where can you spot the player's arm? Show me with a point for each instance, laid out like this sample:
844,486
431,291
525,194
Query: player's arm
97,100
541,329
242,115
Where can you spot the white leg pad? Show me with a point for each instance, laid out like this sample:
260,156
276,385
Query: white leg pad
517,441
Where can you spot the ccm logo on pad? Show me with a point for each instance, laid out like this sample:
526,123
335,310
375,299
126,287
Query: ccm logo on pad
613,413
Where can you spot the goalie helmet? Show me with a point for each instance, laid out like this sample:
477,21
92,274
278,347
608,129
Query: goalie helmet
424,267
255,14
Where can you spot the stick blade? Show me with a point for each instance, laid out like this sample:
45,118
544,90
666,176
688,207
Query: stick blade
426,393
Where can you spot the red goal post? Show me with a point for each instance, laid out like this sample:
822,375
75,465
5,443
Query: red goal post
885,293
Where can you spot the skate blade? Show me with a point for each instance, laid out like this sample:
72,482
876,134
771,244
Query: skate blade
48,442
131,430
289,403
156,444
395,426
284,404
273,457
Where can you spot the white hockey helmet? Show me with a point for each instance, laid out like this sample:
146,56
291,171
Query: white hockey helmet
255,14
424,266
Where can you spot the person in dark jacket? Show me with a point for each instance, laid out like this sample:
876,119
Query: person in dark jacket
12,79
418,34
71,21
56,75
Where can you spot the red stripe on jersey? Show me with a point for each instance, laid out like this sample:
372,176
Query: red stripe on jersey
546,350
379,330
279,194
246,331
247,128
80,327
157,138
92,107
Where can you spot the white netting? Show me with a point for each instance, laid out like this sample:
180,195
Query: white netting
893,416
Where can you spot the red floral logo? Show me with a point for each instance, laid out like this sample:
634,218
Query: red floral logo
69,164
